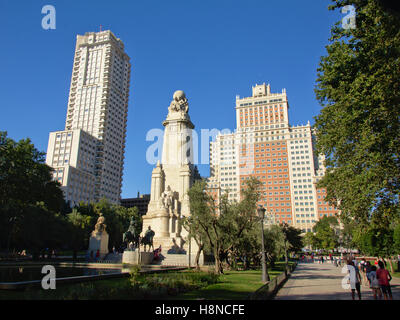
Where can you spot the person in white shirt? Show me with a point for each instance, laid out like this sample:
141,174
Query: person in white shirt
354,279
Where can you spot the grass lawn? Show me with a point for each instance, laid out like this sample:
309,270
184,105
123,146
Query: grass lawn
396,273
233,285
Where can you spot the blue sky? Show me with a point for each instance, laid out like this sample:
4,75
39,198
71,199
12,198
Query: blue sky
213,50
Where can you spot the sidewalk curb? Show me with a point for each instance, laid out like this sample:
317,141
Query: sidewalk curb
271,288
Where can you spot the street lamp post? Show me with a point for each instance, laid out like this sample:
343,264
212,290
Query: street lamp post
265,275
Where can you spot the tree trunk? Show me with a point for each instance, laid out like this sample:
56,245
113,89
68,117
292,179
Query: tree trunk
245,263
390,264
218,263
229,261
197,259
286,256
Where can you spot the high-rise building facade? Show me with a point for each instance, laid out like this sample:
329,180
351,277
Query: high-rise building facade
281,156
224,165
96,120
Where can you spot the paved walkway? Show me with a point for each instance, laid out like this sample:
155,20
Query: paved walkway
314,281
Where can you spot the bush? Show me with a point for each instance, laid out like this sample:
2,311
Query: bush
158,285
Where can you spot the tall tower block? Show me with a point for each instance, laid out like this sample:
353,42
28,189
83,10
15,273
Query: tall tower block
88,156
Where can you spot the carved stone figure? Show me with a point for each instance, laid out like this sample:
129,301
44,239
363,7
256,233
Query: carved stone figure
100,224
179,102
98,241
167,199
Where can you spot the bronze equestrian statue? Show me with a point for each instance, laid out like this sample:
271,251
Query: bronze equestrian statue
148,239
130,235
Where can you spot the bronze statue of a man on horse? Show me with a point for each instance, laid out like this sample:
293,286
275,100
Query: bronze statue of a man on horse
132,237
148,239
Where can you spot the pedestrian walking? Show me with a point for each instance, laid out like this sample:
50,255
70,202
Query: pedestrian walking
374,284
354,279
322,259
362,269
384,277
355,262
368,269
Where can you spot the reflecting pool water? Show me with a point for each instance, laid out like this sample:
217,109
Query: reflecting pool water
28,273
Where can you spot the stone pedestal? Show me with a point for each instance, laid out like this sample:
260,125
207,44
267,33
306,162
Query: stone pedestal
131,257
98,241
146,257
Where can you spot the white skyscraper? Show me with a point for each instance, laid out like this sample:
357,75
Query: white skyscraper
88,156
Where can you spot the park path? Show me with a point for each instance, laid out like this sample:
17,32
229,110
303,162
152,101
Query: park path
315,281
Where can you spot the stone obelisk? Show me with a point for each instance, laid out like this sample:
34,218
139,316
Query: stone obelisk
171,180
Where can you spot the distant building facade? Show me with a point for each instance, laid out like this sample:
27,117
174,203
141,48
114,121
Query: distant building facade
141,202
281,156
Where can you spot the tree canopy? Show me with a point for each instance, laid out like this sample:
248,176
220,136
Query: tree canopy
29,198
24,177
33,213
358,128
221,225
232,230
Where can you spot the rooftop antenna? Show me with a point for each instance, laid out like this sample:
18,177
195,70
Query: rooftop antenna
101,28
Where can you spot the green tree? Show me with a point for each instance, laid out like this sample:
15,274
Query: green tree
376,240
248,247
358,128
396,238
24,177
293,242
192,225
222,224
39,229
26,188
310,240
237,218
274,243
79,231
204,220
117,219
346,234
326,233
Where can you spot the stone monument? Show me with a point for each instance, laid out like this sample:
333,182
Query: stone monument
99,239
171,180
